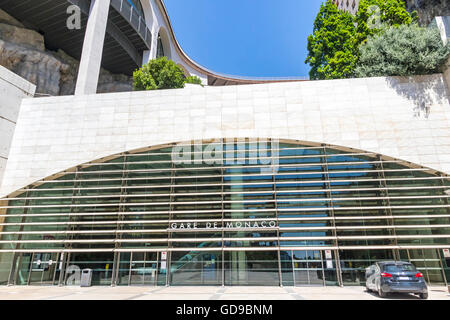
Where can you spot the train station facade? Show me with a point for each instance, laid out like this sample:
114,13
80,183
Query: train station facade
242,182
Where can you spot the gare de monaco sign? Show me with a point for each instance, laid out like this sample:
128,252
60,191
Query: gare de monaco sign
225,225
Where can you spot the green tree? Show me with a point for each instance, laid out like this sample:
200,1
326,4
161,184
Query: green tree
374,16
332,49
193,80
403,51
160,73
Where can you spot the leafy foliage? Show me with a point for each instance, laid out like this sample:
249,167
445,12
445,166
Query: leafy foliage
403,51
160,73
193,80
375,15
333,48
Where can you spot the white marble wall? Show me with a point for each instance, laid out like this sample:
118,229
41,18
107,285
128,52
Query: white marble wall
377,114
12,90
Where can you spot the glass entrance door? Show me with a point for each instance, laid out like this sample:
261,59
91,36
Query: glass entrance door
143,269
314,268
43,269
308,268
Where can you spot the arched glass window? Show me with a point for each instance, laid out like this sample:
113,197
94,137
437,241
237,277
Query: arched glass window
305,213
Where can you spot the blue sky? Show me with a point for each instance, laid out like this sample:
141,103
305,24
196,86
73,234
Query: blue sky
259,38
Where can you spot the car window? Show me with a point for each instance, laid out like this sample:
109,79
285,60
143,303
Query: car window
399,267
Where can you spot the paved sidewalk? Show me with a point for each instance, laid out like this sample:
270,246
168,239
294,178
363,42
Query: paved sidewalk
203,293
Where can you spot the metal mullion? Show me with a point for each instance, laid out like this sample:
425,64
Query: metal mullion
333,221
13,273
275,199
120,218
323,270
256,183
212,193
285,165
442,267
217,143
248,174
163,240
207,168
439,252
30,269
446,200
62,269
223,221
211,220
385,192
318,248
72,226
143,195
171,214
114,204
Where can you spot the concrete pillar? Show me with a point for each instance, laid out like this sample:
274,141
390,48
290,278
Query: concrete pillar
154,47
94,39
146,57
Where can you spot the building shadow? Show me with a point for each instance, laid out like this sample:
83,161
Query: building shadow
423,91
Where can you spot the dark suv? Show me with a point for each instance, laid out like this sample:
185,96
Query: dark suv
395,276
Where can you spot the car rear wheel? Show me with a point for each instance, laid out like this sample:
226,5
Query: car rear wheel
381,293
423,295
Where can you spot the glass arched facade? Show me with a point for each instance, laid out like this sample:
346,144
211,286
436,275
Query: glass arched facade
227,212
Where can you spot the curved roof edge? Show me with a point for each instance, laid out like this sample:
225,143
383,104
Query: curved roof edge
216,78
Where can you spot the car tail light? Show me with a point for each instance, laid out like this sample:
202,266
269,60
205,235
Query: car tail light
386,275
419,275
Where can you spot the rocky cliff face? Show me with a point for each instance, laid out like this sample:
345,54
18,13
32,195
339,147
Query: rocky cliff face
23,51
428,9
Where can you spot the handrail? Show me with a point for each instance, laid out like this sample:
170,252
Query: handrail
130,14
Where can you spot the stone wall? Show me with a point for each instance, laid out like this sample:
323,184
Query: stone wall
428,9
54,73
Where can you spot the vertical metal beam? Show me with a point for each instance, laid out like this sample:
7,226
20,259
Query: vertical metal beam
384,186
169,235
442,259
13,272
274,189
222,141
62,269
329,194
120,217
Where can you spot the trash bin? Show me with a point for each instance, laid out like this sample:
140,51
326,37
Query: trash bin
86,278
